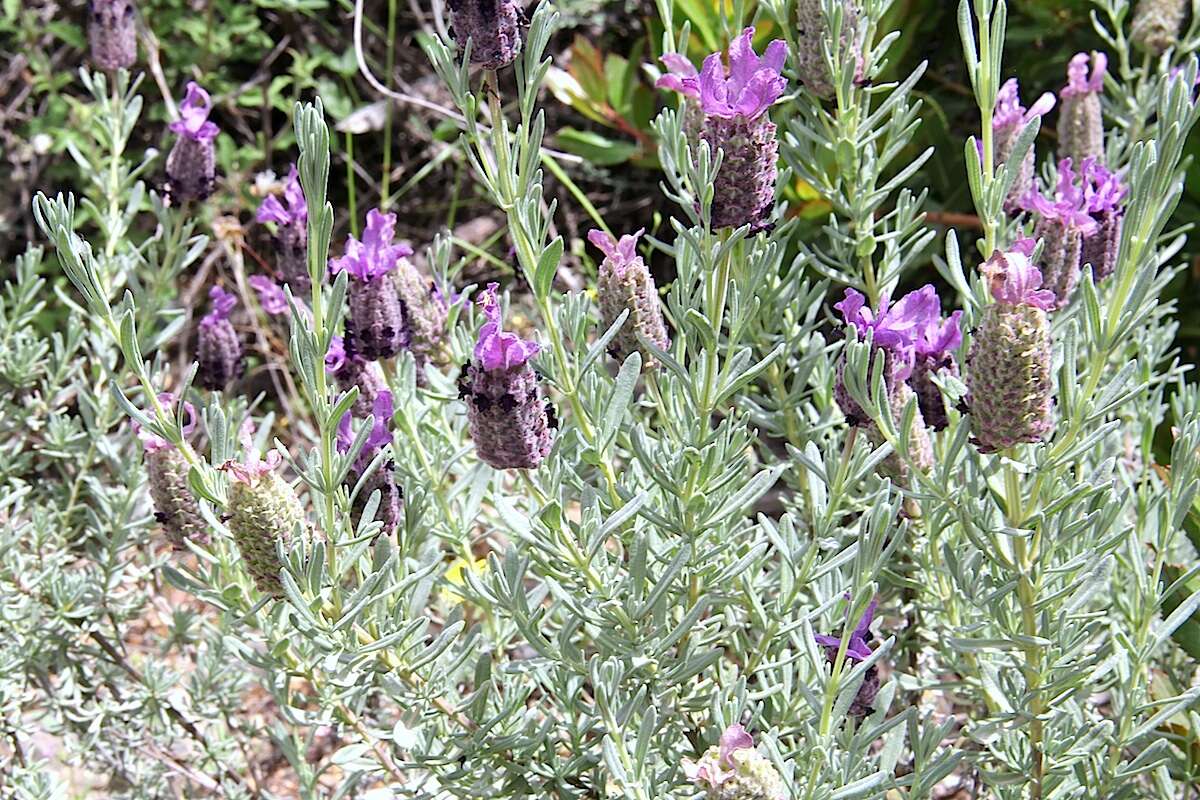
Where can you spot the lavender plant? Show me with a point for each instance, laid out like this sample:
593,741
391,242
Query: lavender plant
896,552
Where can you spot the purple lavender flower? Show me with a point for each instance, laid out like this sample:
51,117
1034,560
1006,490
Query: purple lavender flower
509,419
857,649
1062,225
425,315
219,350
291,232
191,166
175,506
732,106
1104,192
112,33
1010,392
493,28
270,295
1080,123
934,356
1009,119
383,478
812,31
349,370
625,284
1156,24
735,770
375,324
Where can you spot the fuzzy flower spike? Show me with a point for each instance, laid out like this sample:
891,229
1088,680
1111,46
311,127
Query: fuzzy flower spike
1010,393
291,232
857,649
375,325
730,113
191,165
735,770
1080,122
812,31
1156,24
383,479
1008,120
112,33
218,349
1063,224
425,315
934,357
493,28
625,284
175,506
1105,193
510,421
263,510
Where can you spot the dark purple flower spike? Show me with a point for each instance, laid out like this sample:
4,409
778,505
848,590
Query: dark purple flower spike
1104,193
391,499
1008,120
1063,224
375,324
191,165
291,232
219,350
857,649
112,33
493,28
1080,120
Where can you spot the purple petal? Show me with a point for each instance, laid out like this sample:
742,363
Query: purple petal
272,210
733,739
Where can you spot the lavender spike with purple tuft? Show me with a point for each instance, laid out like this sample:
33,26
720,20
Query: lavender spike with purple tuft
1063,223
112,33
625,284
375,324
218,349
1080,119
735,770
857,649
175,506
291,232
191,164
493,28
1008,120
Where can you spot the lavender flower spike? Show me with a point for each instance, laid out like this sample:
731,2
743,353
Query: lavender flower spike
625,284
291,232
934,357
1010,392
735,770
391,497
349,370
812,31
732,117
1080,123
425,314
1156,25
857,649
270,295
509,420
219,350
191,166
1008,120
375,325
1105,194
175,506
492,26
112,33
1062,224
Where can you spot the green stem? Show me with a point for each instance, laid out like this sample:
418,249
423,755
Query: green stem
386,181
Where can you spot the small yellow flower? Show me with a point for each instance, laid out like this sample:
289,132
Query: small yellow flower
455,577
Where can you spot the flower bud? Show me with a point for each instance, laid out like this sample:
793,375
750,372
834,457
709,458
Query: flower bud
493,28
191,165
812,32
375,325
1062,225
733,118
291,233
112,33
1080,122
425,315
735,770
625,284
219,350
509,420
1008,121
1010,389
1156,25
175,507
857,649
263,511
920,446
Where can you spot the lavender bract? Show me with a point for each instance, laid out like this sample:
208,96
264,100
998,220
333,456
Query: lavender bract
270,295
857,649
1010,389
508,418
625,284
1156,24
1080,120
375,324
493,28
218,349
383,479
1063,223
934,350
191,164
175,506
1105,195
1008,120
732,106
812,31
263,512
735,770
291,232
112,33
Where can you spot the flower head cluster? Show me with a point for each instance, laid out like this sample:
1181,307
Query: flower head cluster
1080,121
1156,24
175,506
191,165
493,28
1008,120
509,420
812,32
625,284
735,770
350,369
219,350
857,649
375,324
291,233
112,33
730,115
383,478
